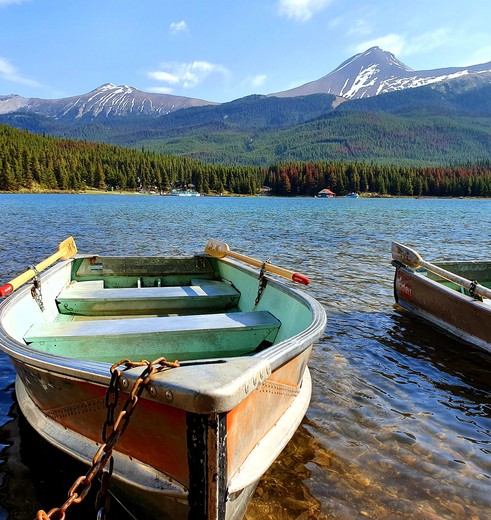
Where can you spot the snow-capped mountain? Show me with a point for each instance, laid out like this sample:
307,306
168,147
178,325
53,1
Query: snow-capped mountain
107,100
376,71
364,75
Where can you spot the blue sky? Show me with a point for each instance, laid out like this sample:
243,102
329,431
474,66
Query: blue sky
220,50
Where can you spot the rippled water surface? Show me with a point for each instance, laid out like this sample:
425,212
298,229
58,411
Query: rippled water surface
399,424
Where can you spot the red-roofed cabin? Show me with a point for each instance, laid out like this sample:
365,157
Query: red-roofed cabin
326,193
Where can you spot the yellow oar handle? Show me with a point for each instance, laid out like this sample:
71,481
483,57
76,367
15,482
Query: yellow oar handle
66,249
281,271
221,250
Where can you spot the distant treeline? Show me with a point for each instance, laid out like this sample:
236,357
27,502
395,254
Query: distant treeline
33,162
341,178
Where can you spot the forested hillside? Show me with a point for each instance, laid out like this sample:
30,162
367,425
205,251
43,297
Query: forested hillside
448,123
29,161
34,163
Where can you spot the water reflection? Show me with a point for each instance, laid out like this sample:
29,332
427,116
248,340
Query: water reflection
35,475
407,414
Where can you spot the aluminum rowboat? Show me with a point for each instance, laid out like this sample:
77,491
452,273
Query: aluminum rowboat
202,433
454,296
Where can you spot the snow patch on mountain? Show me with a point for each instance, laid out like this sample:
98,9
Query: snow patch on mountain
364,81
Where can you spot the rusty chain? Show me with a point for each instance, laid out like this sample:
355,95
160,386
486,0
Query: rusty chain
117,427
36,293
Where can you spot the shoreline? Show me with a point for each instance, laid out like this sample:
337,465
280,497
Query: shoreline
228,195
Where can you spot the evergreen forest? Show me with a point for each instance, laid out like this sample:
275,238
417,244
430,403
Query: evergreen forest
31,162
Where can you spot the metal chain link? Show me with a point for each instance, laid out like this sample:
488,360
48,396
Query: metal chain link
36,288
118,426
262,282
472,290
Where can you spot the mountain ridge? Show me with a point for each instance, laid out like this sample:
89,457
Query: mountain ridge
376,72
107,100
363,75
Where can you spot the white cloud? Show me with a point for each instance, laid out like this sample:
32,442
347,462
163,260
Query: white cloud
258,80
176,27
10,73
301,10
187,75
166,77
482,55
402,45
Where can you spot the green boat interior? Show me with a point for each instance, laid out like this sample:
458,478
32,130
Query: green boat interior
144,308
471,270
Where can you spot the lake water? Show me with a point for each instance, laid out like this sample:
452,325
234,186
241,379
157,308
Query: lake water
399,425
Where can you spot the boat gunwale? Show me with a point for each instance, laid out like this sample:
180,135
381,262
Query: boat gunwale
438,282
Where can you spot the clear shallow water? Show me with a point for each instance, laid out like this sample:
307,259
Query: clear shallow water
399,424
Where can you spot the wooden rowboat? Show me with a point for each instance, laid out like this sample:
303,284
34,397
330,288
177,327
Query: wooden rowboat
188,439
454,296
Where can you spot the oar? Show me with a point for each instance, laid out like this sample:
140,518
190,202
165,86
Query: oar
221,250
66,249
412,258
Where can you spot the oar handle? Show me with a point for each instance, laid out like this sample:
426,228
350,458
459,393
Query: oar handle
464,282
221,250
280,271
66,249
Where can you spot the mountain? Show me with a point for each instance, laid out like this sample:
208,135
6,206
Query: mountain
388,118
106,101
375,72
368,74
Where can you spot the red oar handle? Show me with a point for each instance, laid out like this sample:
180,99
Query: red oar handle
300,278
6,289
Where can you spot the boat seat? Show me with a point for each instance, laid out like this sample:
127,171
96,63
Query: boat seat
92,299
175,337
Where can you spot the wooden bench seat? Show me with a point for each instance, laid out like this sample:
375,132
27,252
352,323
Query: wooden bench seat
175,337
92,299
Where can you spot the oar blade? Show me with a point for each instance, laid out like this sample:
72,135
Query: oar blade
67,248
216,248
405,254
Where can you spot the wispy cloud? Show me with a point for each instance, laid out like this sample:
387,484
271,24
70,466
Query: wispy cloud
187,75
159,90
10,73
7,2
482,55
258,80
176,27
301,10
402,45
390,42
360,27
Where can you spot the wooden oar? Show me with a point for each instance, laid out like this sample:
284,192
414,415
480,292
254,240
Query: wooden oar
412,258
221,250
66,249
